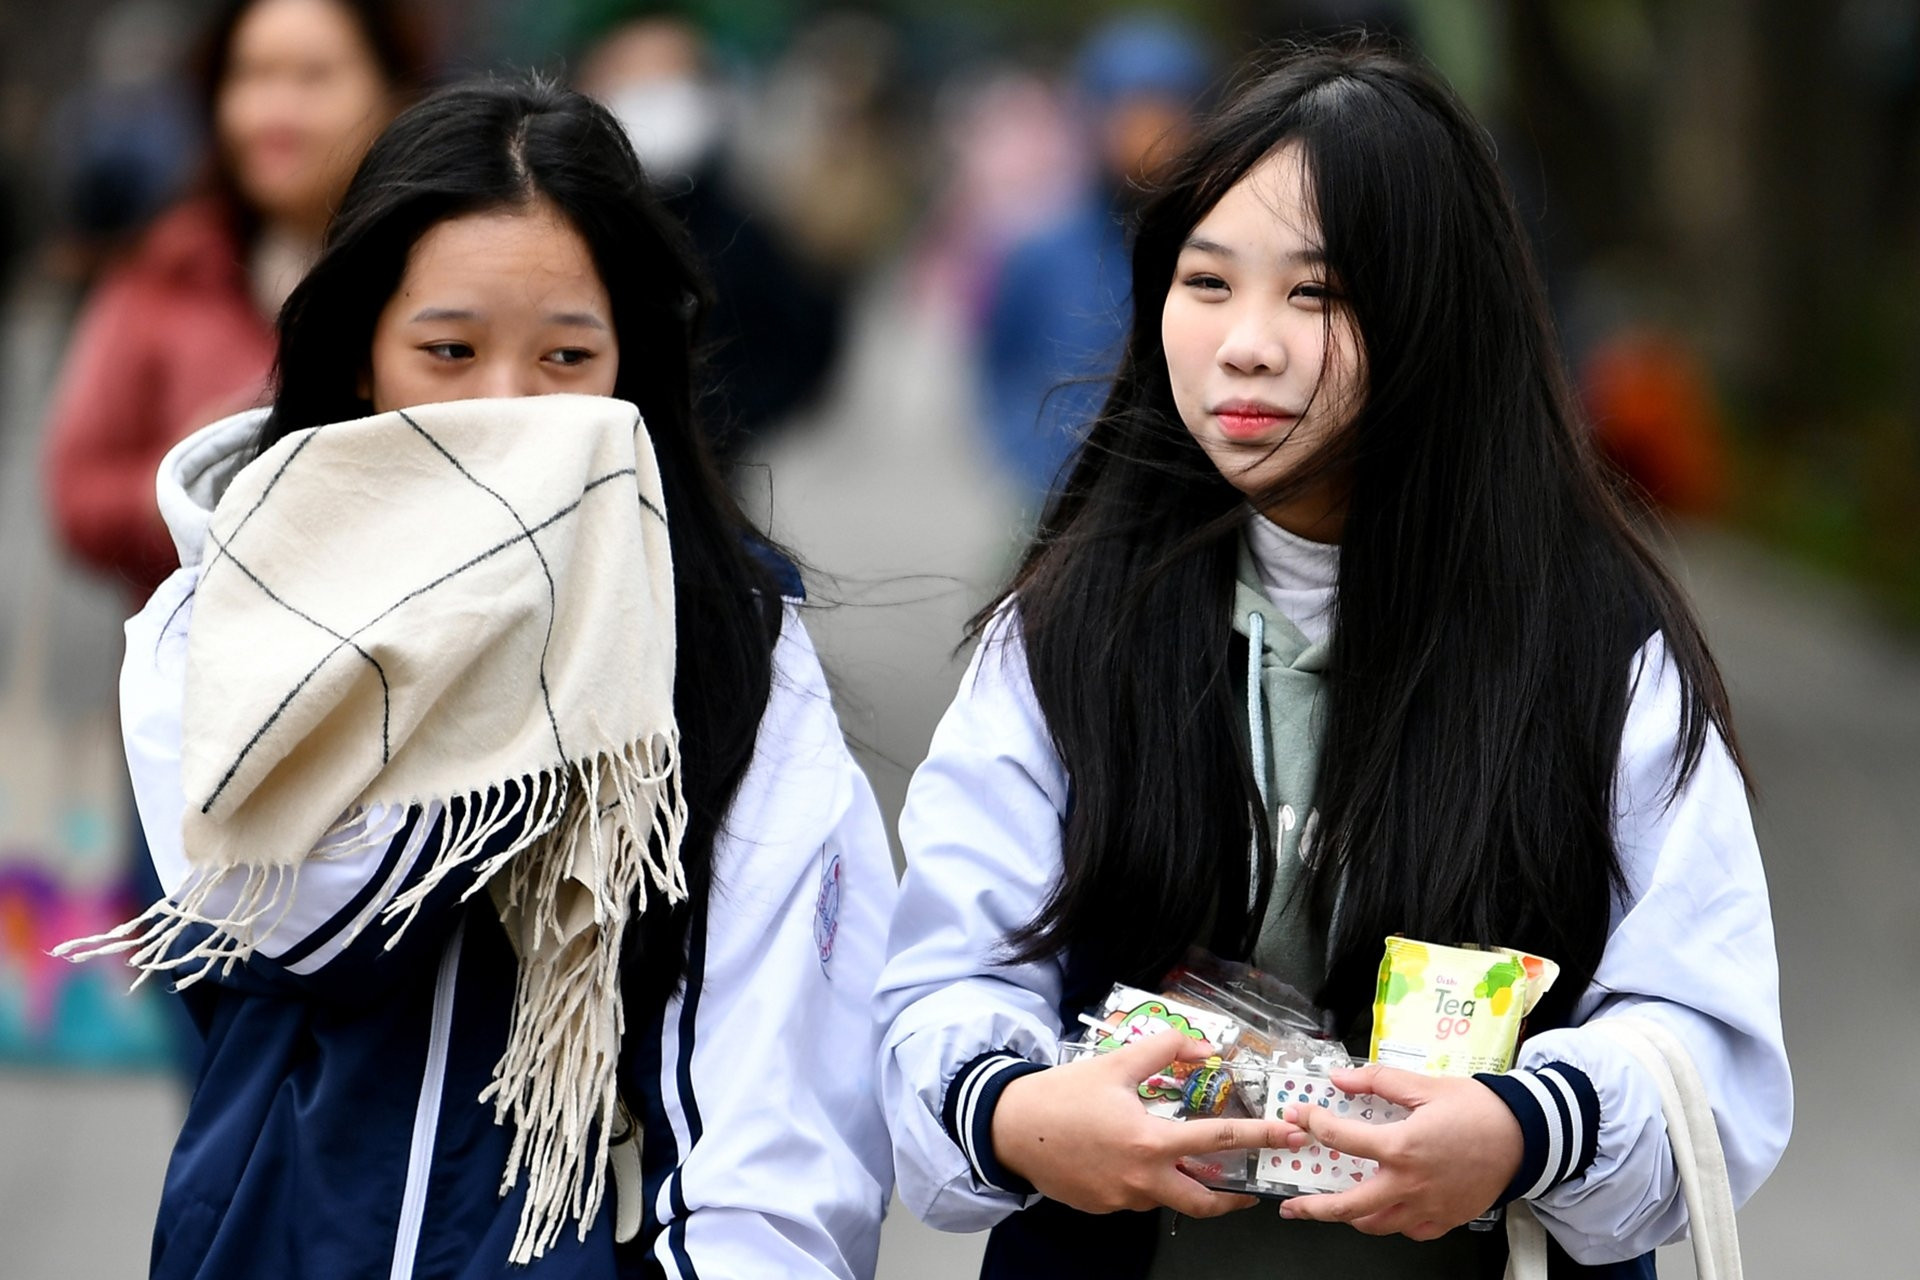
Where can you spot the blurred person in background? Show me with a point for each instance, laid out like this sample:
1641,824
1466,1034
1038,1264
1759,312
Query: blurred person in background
121,144
825,140
1010,163
656,75
1058,309
181,333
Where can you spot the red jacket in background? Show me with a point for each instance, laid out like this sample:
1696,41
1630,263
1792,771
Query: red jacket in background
170,341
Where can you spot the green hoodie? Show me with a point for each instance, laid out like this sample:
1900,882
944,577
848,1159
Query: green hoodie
1286,756
1257,1242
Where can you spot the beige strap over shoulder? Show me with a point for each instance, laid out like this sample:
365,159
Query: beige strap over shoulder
1697,1156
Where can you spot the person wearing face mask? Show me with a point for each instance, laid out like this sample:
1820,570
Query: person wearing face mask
181,333
777,319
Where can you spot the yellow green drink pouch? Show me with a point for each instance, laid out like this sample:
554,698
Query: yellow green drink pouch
1452,1011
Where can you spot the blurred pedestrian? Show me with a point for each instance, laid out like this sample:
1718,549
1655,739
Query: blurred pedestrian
1010,164
1059,304
181,333
123,142
532,924
778,318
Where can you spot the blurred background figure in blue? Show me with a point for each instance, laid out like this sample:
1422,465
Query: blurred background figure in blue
123,141
1011,162
1059,303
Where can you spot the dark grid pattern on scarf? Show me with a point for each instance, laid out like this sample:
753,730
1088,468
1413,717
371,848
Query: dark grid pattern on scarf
224,550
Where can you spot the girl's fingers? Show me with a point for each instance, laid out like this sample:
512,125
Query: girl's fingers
1180,1193
1408,1088
1354,1136
1198,1137
1153,1054
1390,1222
1363,1201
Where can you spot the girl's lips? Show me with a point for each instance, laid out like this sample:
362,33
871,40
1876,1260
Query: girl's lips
1250,424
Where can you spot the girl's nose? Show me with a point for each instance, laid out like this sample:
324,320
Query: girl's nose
506,380
1253,346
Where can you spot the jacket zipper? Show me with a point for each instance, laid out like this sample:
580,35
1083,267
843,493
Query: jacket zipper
426,1112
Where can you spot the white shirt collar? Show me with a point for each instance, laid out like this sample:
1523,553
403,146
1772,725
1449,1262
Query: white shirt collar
1297,575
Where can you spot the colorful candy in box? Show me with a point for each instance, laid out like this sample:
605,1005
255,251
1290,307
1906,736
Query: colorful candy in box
1130,1014
1316,1167
1441,1010
1249,1024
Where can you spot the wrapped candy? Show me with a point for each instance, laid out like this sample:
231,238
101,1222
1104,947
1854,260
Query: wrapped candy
1209,1088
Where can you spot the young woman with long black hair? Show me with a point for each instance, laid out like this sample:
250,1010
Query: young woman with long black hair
1340,434
495,786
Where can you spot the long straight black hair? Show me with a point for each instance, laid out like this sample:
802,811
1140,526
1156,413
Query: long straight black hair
1491,589
489,146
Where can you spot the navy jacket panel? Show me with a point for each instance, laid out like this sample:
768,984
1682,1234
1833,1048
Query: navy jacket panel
294,1153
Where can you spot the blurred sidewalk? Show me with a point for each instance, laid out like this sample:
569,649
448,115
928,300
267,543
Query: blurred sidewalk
890,496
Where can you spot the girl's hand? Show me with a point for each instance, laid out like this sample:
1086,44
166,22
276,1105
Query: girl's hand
1078,1133
1442,1166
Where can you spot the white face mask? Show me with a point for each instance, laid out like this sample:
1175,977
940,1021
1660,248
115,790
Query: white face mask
673,124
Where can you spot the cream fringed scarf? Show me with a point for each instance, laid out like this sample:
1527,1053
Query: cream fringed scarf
429,605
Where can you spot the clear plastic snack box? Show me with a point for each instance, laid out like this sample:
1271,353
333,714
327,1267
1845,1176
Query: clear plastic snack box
1274,1048
1256,1088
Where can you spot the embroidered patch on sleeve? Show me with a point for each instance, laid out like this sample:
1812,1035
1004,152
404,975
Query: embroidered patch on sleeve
826,910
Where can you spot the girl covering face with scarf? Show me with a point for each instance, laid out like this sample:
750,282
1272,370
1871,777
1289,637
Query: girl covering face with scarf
1336,522
496,789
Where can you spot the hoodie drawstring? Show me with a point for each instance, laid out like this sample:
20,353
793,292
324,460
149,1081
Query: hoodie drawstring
1257,738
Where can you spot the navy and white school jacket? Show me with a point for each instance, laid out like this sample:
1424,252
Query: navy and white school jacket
335,1131
1691,946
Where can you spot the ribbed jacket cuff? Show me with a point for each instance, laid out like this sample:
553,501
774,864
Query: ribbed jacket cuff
1559,1115
968,1114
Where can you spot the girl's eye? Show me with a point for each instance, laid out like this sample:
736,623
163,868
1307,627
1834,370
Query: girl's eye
1205,282
1316,291
569,357
448,350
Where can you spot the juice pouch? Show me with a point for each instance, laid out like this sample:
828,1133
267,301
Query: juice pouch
1452,1011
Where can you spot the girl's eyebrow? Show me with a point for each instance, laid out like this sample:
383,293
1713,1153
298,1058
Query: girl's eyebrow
1311,255
1204,245
569,319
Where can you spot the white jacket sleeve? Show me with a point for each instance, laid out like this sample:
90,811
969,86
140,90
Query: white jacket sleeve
780,1163
1692,947
334,898
981,830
